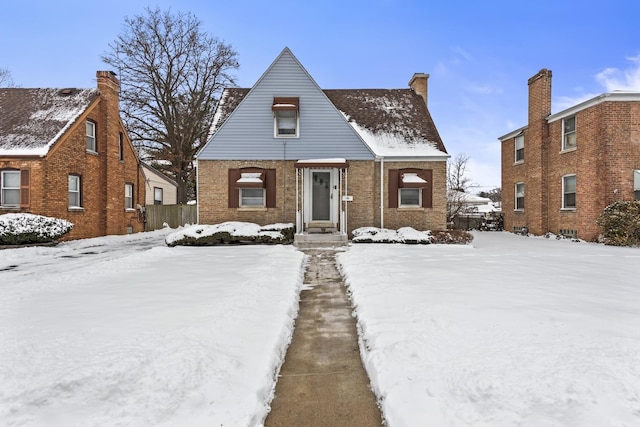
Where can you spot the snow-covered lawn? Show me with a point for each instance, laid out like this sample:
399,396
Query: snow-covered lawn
511,331
126,331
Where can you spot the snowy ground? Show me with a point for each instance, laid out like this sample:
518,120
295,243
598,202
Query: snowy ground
514,331
511,331
126,331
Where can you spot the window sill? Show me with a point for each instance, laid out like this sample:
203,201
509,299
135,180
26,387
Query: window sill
519,162
568,150
411,208
10,208
286,136
252,209
76,209
93,153
129,210
518,210
568,209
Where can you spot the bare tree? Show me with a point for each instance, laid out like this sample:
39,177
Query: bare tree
457,185
495,194
5,78
171,75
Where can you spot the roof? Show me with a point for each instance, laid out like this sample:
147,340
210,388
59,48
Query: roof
150,169
393,122
32,120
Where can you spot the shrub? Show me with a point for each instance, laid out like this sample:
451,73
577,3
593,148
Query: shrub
458,237
24,228
232,233
620,222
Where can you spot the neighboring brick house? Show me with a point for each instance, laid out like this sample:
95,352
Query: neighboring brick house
65,153
288,151
561,170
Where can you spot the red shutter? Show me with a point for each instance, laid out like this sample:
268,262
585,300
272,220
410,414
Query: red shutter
393,188
25,181
234,175
427,191
270,178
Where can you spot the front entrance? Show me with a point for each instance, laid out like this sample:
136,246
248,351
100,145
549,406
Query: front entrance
320,188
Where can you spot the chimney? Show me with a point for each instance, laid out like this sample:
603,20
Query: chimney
108,80
418,84
540,96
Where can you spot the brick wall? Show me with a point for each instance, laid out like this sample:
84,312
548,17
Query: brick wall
607,151
362,184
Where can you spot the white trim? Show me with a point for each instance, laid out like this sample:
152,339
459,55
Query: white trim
515,198
575,192
418,205
512,134
618,96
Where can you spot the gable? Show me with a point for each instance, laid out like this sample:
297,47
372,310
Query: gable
247,133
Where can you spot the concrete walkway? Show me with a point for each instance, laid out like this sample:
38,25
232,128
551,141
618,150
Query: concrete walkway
322,381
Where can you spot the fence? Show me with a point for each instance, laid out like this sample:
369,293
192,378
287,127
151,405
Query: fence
174,215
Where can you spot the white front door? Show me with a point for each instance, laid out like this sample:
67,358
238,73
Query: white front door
321,196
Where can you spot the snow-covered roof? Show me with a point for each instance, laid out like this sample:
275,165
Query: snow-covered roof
32,120
392,122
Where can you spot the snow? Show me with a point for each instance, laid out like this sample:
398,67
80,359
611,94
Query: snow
127,331
234,228
395,144
508,331
331,161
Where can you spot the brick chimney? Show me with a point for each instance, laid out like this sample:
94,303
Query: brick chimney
419,84
540,95
108,79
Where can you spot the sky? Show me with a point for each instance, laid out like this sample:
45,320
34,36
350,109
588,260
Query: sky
479,54
459,338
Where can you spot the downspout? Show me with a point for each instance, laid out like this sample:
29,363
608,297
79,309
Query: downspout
381,192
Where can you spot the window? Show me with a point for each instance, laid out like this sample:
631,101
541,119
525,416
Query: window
128,196
91,136
569,192
410,188
520,196
121,147
157,195
10,188
251,197
252,187
75,200
636,184
519,148
410,197
569,133
285,114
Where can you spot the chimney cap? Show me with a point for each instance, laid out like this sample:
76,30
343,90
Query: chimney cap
418,76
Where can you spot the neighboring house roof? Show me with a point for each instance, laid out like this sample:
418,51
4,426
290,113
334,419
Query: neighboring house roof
392,122
148,169
32,120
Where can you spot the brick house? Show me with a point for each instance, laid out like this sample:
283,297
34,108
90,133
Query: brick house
286,150
65,153
561,170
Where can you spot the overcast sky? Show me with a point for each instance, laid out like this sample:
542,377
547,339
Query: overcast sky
479,54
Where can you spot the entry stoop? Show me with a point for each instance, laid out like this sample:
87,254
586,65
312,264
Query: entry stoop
320,240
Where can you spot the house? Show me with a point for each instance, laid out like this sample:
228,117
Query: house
561,170
65,153
159,188
286,150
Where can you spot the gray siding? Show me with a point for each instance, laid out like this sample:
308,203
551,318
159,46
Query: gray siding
248,132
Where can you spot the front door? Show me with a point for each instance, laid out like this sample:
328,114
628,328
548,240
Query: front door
321,185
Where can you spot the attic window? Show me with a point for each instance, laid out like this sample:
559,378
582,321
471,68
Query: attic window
285,117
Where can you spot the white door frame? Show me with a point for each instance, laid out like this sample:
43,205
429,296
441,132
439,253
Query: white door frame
308,194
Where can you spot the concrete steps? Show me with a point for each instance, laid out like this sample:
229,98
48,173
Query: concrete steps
322,240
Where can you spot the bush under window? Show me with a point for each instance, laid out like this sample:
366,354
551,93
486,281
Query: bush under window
25,228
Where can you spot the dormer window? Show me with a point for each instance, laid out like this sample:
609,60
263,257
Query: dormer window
285,115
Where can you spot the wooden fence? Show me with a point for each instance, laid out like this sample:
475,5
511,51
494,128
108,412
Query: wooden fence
174,215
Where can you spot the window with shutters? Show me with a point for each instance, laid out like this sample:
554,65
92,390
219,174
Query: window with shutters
252,188
410,188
